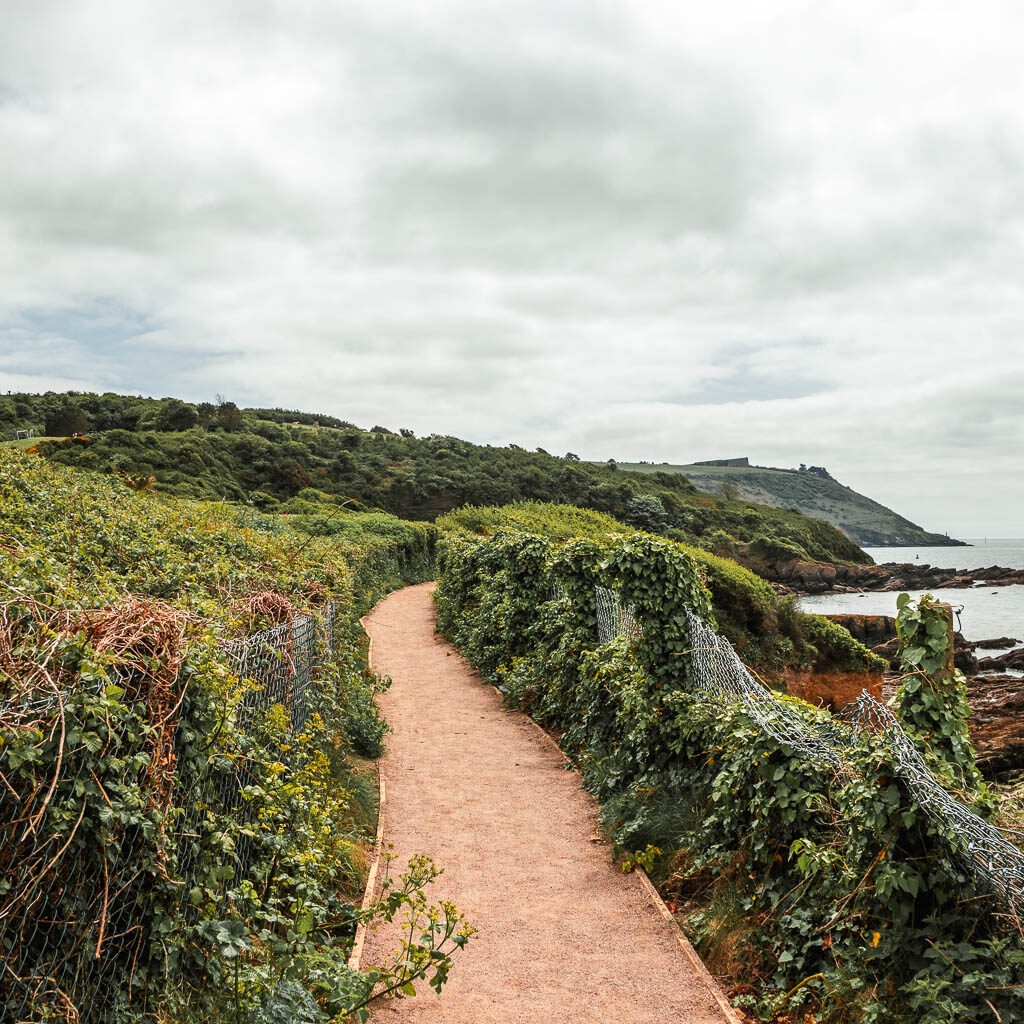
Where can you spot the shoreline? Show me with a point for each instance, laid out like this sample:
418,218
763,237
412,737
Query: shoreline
823,578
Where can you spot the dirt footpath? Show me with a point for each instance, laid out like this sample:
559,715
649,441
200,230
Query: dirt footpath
564,938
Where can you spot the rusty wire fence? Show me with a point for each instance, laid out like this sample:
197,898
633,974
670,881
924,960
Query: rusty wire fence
987,853
81,862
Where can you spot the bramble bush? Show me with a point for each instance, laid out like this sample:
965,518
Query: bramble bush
830,891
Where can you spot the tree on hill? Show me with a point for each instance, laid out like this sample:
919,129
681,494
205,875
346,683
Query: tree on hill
66,419
8,415
175,414
207,413
646,512
229,417
294,475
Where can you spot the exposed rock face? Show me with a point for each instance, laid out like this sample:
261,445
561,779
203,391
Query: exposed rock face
876,632
996,701
871,630
801,577
997,722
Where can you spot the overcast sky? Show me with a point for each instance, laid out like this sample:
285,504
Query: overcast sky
661,231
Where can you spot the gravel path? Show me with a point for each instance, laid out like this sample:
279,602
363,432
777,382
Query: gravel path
564,937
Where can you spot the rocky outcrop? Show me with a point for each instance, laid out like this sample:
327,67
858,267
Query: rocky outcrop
822,578
878,633
997,643
873,631
996,700
1001,662
803,577
997,722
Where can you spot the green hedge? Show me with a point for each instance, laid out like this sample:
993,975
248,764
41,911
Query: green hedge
765,629
832,890
205,861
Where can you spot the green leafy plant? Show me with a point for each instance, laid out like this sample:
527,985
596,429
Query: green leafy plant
194,845
932,699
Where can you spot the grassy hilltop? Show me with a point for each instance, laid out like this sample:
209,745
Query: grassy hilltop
865,521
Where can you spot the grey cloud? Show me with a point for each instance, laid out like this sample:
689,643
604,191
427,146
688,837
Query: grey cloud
654,232
541,160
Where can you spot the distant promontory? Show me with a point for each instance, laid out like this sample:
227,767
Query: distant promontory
810,490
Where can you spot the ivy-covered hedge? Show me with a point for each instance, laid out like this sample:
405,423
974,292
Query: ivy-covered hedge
173,844
767,630
829,891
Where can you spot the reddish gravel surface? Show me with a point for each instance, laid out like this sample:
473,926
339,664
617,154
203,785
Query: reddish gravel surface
564,937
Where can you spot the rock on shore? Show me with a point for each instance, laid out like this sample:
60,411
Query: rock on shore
997,722
823,578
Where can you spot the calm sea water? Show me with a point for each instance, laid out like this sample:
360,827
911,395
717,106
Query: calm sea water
986,612
983,553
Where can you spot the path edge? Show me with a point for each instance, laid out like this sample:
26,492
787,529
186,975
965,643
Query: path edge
378,844
710,981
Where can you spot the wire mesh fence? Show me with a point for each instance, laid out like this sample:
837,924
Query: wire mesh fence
54,948
73,910
613,617
981,849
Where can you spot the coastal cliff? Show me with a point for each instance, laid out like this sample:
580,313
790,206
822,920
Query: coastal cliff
812,491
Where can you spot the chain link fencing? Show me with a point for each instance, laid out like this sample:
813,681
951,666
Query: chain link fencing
981,849
73,918
613,617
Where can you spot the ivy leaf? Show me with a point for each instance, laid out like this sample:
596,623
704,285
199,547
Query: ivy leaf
914,655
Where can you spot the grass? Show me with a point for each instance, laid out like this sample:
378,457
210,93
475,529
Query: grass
29,441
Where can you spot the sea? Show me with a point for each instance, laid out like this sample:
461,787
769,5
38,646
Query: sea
983,612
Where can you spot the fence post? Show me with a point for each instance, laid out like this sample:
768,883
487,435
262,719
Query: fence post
945,677
932,699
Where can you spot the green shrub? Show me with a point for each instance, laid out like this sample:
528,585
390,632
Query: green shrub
771,549
834,650
194,848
